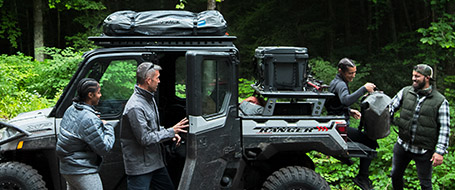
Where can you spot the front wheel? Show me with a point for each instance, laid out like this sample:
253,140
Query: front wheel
295,178
19,176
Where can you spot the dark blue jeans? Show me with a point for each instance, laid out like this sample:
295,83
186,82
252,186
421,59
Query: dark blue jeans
159,179
400,161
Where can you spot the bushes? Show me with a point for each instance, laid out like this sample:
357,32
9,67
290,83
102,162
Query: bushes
28,85
54,74
17,72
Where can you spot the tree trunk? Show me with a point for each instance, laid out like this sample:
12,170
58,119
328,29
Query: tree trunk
406,16
391,15
38,29
370,22
211,4
330,43
59,29
347,22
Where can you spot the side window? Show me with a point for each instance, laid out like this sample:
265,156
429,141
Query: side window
180,77
215,86
117,85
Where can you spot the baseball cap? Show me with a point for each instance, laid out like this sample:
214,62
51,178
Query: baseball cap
424,69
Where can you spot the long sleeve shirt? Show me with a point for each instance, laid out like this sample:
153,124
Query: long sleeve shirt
443,119
343,98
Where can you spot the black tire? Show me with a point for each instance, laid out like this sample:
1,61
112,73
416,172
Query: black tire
19,176
295,177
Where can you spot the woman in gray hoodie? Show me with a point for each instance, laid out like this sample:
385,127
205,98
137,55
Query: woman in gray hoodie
83,139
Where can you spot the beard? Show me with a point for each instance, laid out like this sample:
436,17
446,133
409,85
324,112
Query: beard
419,85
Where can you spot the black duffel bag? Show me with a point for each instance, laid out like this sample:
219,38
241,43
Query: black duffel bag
167,23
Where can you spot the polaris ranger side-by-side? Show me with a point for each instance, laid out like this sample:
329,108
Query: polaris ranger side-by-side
225,147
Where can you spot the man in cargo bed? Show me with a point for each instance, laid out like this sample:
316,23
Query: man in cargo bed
339,105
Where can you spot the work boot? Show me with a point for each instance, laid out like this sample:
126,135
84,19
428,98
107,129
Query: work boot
363,182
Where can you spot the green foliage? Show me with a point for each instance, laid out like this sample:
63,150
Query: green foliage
181,4
450,91
77,4
180,90
22,101
245,89
28,85
90,22
17,72
91,15
119,79
9,28
54,74
322,70
440,33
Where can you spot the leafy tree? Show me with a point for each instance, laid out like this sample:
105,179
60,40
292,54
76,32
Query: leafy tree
91,15
9,28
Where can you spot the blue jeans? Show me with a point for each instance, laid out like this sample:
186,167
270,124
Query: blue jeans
159,179
400,161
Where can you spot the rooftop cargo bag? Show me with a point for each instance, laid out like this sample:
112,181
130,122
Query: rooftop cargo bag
375,115
164,23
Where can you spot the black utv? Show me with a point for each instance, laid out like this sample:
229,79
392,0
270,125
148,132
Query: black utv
227,146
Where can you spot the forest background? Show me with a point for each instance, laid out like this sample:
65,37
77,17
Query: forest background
42,43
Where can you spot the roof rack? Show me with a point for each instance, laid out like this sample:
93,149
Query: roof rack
122,41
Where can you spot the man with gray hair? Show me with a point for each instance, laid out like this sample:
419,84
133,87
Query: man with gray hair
423,128
141,134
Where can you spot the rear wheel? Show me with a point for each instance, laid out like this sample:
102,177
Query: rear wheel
295,177
19,176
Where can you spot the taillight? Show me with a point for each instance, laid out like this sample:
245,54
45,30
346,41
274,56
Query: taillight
343,130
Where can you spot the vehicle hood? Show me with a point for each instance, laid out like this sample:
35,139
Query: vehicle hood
35,122
35,128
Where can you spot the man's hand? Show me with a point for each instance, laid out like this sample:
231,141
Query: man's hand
437,159
355,114
180,125
370,86
177,138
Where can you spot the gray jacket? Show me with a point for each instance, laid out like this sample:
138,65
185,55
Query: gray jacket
141,135
82,140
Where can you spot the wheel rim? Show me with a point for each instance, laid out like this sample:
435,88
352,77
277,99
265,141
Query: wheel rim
10,185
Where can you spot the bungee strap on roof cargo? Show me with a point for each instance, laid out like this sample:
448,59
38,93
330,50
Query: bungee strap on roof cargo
165,23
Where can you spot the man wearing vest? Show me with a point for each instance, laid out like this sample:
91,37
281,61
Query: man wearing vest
423,128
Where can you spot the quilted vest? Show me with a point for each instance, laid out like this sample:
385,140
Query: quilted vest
427,132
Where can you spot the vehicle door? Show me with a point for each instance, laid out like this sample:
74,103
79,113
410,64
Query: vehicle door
213,140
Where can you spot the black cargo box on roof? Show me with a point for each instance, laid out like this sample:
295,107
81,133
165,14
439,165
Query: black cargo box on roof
165,23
